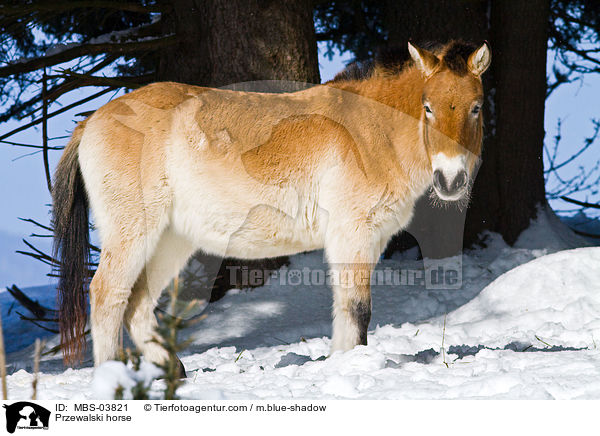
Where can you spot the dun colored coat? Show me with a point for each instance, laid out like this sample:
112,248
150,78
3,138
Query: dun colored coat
170,169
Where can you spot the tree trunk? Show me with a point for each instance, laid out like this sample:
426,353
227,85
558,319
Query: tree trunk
224,42
520,41
510,182
231,41
423,21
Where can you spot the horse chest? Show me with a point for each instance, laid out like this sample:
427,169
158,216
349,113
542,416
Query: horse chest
391,218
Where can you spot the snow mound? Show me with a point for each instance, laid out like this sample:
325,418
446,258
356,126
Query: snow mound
549,232
553,300
113,374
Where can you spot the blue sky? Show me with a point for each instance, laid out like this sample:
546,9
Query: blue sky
23,185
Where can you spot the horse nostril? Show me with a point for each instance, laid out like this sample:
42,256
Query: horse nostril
439,180
451,186
459,181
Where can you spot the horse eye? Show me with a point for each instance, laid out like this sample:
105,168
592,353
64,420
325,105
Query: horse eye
476,110
427,108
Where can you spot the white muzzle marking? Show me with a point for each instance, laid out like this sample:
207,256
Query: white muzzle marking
450,176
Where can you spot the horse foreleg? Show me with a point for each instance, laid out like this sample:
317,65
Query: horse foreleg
352,257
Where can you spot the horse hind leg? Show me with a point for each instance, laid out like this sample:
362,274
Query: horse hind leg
121,262
169,257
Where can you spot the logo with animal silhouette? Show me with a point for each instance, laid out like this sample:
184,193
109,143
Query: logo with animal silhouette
26,415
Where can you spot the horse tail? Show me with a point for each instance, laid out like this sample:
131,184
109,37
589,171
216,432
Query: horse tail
71,248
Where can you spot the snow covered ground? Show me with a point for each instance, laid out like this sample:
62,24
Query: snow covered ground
525,324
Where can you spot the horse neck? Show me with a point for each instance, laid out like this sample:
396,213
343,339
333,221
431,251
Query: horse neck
402,92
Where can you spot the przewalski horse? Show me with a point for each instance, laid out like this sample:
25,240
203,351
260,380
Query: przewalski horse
170,169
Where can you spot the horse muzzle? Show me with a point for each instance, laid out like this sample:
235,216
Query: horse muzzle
450,177
450,189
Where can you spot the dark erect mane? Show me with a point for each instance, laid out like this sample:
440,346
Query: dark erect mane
455,55
391,60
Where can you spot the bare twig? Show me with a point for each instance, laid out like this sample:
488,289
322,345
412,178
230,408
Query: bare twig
29,220
53,93
53,6
586,234
20,144
131,82
76,51
583,179
45,131
588,142
37,323
38,257
39,252
3,363
580,203
443,340
56,112
36,366
57,348
34,307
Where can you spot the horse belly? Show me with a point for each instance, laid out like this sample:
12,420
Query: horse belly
243,224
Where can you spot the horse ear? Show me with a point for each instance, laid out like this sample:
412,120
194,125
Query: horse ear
480,60
424,60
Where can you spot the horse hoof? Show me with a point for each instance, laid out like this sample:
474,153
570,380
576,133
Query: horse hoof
182,373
